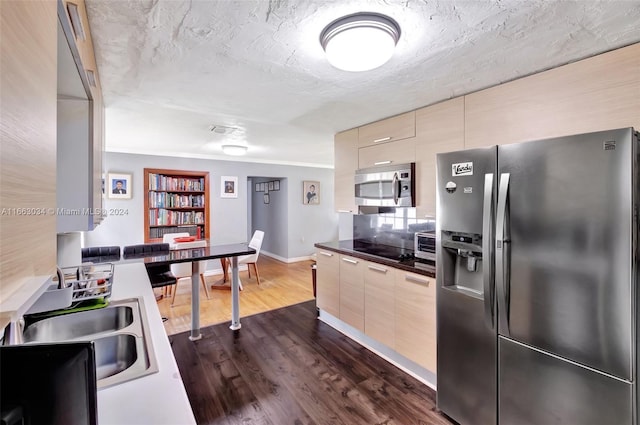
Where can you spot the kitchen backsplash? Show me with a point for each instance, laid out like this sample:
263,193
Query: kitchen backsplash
395,228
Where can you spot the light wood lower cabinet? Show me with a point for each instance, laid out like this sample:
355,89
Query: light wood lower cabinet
352,291
379,303
328,282
415,314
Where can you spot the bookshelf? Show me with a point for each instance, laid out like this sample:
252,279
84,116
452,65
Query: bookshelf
175,201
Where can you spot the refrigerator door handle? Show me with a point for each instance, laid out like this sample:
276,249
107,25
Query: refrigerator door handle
488,270
394,188
502,255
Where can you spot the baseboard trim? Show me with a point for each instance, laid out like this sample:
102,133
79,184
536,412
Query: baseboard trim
286,260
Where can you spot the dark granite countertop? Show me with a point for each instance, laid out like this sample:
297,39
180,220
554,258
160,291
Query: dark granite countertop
414,265
180,255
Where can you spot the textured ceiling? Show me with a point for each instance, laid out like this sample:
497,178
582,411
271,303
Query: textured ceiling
170,69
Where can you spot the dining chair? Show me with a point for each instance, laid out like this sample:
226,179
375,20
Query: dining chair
184,270
252,259
100,254
160,276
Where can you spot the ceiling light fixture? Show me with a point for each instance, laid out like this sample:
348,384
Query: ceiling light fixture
361,41
235,150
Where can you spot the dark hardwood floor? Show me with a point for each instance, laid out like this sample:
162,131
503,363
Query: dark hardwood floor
286,367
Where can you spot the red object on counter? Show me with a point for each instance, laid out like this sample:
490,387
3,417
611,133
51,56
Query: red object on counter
185,239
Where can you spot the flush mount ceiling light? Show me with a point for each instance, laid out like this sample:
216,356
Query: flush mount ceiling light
361,41
235,150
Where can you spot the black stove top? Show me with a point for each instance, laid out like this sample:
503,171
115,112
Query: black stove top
386,251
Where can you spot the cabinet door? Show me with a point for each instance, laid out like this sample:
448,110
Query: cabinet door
415,297
439,128
400,152
328,282
379,303
346,163
594,94
388,130
352,291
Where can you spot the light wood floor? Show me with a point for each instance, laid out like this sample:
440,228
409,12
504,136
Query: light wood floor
281,285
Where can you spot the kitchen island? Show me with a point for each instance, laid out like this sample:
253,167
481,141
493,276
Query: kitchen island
158,398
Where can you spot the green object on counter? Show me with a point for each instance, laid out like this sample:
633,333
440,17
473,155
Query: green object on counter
92,304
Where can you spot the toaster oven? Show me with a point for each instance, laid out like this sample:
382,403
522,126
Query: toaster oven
425,246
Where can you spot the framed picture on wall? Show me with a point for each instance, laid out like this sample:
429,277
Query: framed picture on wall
258,187
310,192
261,187
119,186
266,198
276,185
228,187
270,185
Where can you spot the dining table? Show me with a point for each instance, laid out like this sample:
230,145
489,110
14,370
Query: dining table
186,253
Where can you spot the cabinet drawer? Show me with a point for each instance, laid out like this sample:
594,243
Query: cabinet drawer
400,152
399,127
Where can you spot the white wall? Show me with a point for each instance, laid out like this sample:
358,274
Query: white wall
305,225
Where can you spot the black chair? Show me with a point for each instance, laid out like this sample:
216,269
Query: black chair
100,254
159,275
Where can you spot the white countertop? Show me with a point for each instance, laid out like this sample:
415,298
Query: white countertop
159,398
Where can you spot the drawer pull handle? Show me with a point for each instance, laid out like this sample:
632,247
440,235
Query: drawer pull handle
349,260
414,279
384,139
378,269
382,162
326,254
344,211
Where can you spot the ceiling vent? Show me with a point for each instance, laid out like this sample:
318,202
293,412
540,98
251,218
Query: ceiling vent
221,129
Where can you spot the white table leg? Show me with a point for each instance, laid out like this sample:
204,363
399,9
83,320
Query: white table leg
195,301
235,295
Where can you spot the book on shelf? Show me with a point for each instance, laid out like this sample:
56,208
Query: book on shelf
159,232
182,184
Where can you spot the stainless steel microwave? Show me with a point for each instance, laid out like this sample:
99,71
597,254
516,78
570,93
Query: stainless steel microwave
386,186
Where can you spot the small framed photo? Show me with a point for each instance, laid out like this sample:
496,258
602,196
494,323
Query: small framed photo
266,198
271,185
258,187
119,186
310,192
261,187
276,185
228,187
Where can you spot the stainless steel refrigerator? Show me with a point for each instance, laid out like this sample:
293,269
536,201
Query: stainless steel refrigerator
537,269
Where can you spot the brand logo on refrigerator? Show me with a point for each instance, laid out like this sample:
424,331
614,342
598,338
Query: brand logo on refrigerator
462,169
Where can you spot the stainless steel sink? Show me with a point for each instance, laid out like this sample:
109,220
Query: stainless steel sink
78,325
120,333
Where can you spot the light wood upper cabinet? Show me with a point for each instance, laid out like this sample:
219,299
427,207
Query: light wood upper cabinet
27,145
352,291
328,281
400,152
415,310
379,303
345,162
439,128
390,129
598,93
